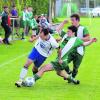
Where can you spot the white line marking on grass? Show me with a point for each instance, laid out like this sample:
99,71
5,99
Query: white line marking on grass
6,63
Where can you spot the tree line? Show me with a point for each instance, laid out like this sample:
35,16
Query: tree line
39,6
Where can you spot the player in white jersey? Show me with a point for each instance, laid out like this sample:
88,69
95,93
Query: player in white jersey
43,48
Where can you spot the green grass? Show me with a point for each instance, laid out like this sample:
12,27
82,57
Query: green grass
50,86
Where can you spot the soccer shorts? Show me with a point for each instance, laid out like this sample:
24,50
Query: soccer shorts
57,66
37,58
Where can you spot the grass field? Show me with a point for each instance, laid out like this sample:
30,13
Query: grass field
50,86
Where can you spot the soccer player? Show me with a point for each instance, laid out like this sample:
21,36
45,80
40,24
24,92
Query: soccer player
24,22
77,55
14,14
68,45
29,19
43,48
5,24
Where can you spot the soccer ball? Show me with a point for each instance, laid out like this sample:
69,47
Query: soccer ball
29,81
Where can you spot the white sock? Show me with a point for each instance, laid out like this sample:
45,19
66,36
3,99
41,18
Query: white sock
23,73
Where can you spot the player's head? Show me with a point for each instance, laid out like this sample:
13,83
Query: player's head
71,31
25,9
6,9
75,19
29,8
14,7
44,33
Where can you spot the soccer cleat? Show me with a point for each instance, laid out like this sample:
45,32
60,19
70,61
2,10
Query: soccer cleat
24,84
72,80
76,82
18,83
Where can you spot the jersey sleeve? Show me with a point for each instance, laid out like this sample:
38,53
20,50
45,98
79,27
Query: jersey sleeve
54,43
85,31
79,42
61,46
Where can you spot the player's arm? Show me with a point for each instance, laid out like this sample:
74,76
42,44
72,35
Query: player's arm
86,34
60,27
33,38
86,38
89,42
58,39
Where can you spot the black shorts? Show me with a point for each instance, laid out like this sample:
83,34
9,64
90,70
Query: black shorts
15,23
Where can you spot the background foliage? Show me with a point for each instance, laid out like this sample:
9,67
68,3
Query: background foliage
39,6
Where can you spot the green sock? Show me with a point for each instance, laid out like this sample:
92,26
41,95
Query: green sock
34,73
36,77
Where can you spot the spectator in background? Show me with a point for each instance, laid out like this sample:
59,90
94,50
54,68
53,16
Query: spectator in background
47,17
14,14
38,19
45,24
29,19
6,25
24,22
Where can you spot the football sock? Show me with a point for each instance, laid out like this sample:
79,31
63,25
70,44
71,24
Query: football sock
74,73
36,77
23,73
34,72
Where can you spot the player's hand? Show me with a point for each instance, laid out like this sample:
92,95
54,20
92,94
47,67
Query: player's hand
59,39
32,38
65,21
94,39
60,61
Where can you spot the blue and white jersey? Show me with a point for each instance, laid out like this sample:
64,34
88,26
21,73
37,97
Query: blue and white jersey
45,47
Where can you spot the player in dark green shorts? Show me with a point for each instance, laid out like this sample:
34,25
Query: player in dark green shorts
77,55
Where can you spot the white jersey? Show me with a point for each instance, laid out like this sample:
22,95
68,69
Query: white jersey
45,47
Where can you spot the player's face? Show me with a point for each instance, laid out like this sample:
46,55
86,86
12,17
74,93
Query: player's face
6,9
74,21
42,36
15,8
30,9
70,33
25,9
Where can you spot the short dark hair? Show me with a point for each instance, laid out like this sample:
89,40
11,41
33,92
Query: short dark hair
29,6
76,16
45,31
13,6
24,8
73,29
5,7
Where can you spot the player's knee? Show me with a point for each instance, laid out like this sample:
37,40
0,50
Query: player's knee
35,69
28,63
26,67
58,73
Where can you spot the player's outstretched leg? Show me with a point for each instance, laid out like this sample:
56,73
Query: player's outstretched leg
23,73
39,74
43,69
